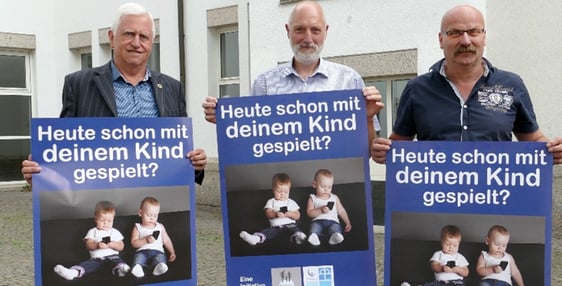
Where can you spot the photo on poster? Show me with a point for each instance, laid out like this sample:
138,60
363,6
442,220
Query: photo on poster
467,212
67,216
416,238
249,188
113,203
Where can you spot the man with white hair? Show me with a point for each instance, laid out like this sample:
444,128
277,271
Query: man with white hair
307,71
125,86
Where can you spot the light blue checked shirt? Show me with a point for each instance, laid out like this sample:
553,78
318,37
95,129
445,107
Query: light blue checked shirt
133,101
283,79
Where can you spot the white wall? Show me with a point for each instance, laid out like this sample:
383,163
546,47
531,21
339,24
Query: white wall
525,38
356,27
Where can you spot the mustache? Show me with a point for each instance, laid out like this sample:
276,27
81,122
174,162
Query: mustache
311,45
465,49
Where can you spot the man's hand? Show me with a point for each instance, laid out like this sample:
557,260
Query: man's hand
29,167
374,100
198,159
379,147
209,107
554,146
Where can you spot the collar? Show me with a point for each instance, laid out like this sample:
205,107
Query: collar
485,65
116,74
322,69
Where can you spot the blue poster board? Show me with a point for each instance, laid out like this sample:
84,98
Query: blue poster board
474,186
295,134
121,160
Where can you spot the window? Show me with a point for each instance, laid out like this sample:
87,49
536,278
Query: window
12,71
224,61
391,90
85,60
15,113
389,76
229,82
154,59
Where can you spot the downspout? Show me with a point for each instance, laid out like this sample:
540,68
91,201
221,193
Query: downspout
181,42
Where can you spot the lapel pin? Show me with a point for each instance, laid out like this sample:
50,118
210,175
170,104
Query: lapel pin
159,85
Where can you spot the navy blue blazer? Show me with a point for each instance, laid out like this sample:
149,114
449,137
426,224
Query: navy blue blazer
89,93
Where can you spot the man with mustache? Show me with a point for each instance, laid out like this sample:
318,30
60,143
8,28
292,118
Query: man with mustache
307,71
463,97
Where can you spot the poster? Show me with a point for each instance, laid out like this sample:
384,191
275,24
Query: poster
85,161
263,141
473,186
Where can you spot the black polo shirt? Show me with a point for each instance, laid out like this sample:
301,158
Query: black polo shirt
498,105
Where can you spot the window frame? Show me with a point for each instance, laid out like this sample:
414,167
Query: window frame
27,91
232,80
7,164
86,51
154,61
387,123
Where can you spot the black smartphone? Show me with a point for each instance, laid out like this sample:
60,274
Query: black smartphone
155,234
330,205
106,239
451,263
283,209
503,265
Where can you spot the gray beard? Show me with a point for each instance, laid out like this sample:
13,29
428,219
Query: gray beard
307,58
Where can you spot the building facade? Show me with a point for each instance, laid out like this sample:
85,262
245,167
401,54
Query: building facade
217,47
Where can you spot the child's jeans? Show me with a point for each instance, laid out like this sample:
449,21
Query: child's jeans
149,258
317,226
92,265
443,283
275,231
493,282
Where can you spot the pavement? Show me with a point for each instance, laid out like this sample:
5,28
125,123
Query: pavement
16,246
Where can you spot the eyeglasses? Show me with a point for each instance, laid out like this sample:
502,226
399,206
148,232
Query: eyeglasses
470,32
